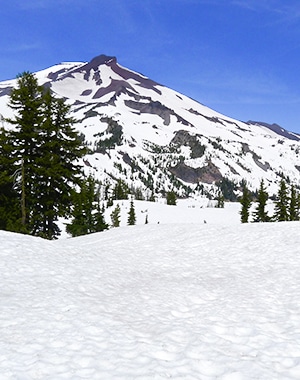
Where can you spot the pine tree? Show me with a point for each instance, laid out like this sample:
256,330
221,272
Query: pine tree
78,226
152,197
46,148
171,198
26,101
260,214
10,212
99,221
121,190
281,203
138,194
87,214
293,205
115,216
246,203
60,147
220,200
131,215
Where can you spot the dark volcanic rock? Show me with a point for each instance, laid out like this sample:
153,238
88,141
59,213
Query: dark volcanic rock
127,74
183,137
86,92
277,129
5,91
127,159
155,108
206,174
116,86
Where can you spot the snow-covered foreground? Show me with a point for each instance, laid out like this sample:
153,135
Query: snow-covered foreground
156,301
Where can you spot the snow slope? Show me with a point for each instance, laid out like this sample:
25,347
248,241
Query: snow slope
157,301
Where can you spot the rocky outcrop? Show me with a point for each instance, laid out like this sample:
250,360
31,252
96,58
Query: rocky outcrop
155,108
207,174
184,138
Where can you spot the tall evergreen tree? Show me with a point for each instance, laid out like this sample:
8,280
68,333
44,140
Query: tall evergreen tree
45,149
78,225
220,200
171,198
281,203
99,220
246,203
87,214
115,216
26,101
121,190
131,214
10,211
151,197
293,205
60,147
260,214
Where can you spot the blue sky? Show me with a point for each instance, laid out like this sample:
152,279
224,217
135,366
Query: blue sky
239,57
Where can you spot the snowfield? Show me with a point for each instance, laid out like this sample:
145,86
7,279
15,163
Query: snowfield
157,301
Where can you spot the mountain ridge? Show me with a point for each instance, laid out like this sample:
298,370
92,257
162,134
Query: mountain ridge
157,139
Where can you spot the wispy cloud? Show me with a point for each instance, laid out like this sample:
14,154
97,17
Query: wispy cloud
242,87
283,10
47,4
22,47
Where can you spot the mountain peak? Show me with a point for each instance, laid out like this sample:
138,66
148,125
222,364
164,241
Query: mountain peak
98,61
101,60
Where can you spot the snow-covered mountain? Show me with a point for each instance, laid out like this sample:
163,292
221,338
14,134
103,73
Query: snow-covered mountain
157,139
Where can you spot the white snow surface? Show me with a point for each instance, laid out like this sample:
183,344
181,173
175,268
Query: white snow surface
215,300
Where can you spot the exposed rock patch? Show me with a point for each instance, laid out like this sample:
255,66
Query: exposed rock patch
183,137
207,174
5,91
155,108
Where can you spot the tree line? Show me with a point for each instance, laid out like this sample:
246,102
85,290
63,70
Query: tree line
286,204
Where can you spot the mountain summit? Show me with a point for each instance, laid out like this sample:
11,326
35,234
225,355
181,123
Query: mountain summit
157,139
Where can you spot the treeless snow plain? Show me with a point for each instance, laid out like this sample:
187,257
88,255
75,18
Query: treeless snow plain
158,301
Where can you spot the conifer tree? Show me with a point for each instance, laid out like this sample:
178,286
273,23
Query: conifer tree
44,147
87,214
121,190
293,205
281,203
115,216
131,214
60,147
45,150
78,226
99,221
138,194
171,198
10,212
246,203
26,101
152,197
260,214
220,200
